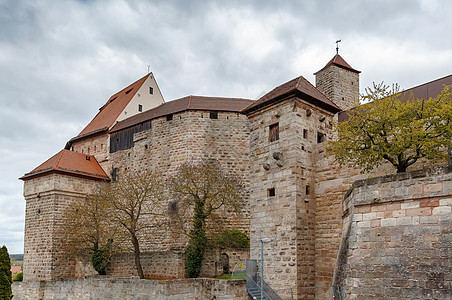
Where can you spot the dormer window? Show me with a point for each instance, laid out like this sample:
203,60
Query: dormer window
129,91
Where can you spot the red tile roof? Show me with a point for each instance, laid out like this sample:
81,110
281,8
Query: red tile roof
423,91
183,104
337,60
111,110
72,163
298,86
15,269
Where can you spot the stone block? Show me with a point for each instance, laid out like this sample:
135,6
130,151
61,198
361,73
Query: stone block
441,210
388,222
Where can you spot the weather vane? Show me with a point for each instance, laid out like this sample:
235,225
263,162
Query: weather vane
149,66
337,46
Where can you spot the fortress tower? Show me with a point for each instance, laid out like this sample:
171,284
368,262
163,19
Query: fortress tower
339,82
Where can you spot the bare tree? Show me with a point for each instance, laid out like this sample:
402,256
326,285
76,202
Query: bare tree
198,190
133,198
87,227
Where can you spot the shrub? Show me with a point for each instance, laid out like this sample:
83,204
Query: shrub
233,239
19,276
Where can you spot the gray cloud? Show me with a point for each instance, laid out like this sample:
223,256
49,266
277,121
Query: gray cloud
61,60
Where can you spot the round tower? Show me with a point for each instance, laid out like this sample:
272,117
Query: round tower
339,82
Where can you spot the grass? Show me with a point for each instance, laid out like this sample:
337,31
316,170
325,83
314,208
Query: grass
238,275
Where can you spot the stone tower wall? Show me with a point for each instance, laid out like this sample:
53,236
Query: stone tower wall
340,85
288,217
189,136
46,198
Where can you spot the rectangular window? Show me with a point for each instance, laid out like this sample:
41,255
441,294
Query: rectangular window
169,117
271,192
151,90
305,133
140,107
307,190
273,132
320,137
214,115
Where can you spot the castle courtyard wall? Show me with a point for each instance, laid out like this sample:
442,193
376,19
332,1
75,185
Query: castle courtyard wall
396,240
127,288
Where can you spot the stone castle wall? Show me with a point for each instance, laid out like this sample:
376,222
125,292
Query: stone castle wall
46,198
190,136
397,237
126,288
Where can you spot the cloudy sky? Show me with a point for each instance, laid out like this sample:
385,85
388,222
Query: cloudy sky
61,60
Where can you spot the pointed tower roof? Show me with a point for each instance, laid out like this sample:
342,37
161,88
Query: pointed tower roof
296,87
72,163
337,60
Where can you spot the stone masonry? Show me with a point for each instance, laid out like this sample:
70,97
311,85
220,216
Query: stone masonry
396,240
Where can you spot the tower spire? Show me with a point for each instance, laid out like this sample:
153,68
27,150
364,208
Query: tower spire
337,47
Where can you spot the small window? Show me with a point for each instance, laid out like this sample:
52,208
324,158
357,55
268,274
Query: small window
151,90
274,132
214,115
169,117
308,189
140,107
320,137
114,174
305,133
271,192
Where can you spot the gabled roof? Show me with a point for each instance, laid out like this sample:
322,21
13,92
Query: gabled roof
337,60
183,104
72,163
298,86
111,110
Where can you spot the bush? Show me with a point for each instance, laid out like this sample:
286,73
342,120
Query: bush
235,239
19,276
100,258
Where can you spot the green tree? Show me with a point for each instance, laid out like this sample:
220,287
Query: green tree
394,127
5,274
199,189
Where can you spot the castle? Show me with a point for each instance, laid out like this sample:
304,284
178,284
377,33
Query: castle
295,190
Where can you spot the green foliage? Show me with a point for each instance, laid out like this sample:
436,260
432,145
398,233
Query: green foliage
201,188
394,128
100,258
19,276
5,274
195,253
235,239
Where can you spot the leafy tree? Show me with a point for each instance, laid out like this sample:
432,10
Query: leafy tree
131,200
394,127
87,228
5,274
199,189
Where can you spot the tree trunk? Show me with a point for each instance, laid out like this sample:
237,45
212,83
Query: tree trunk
136,248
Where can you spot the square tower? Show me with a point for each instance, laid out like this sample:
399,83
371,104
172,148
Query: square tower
339,82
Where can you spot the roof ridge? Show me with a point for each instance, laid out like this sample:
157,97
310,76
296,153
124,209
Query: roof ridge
59,159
